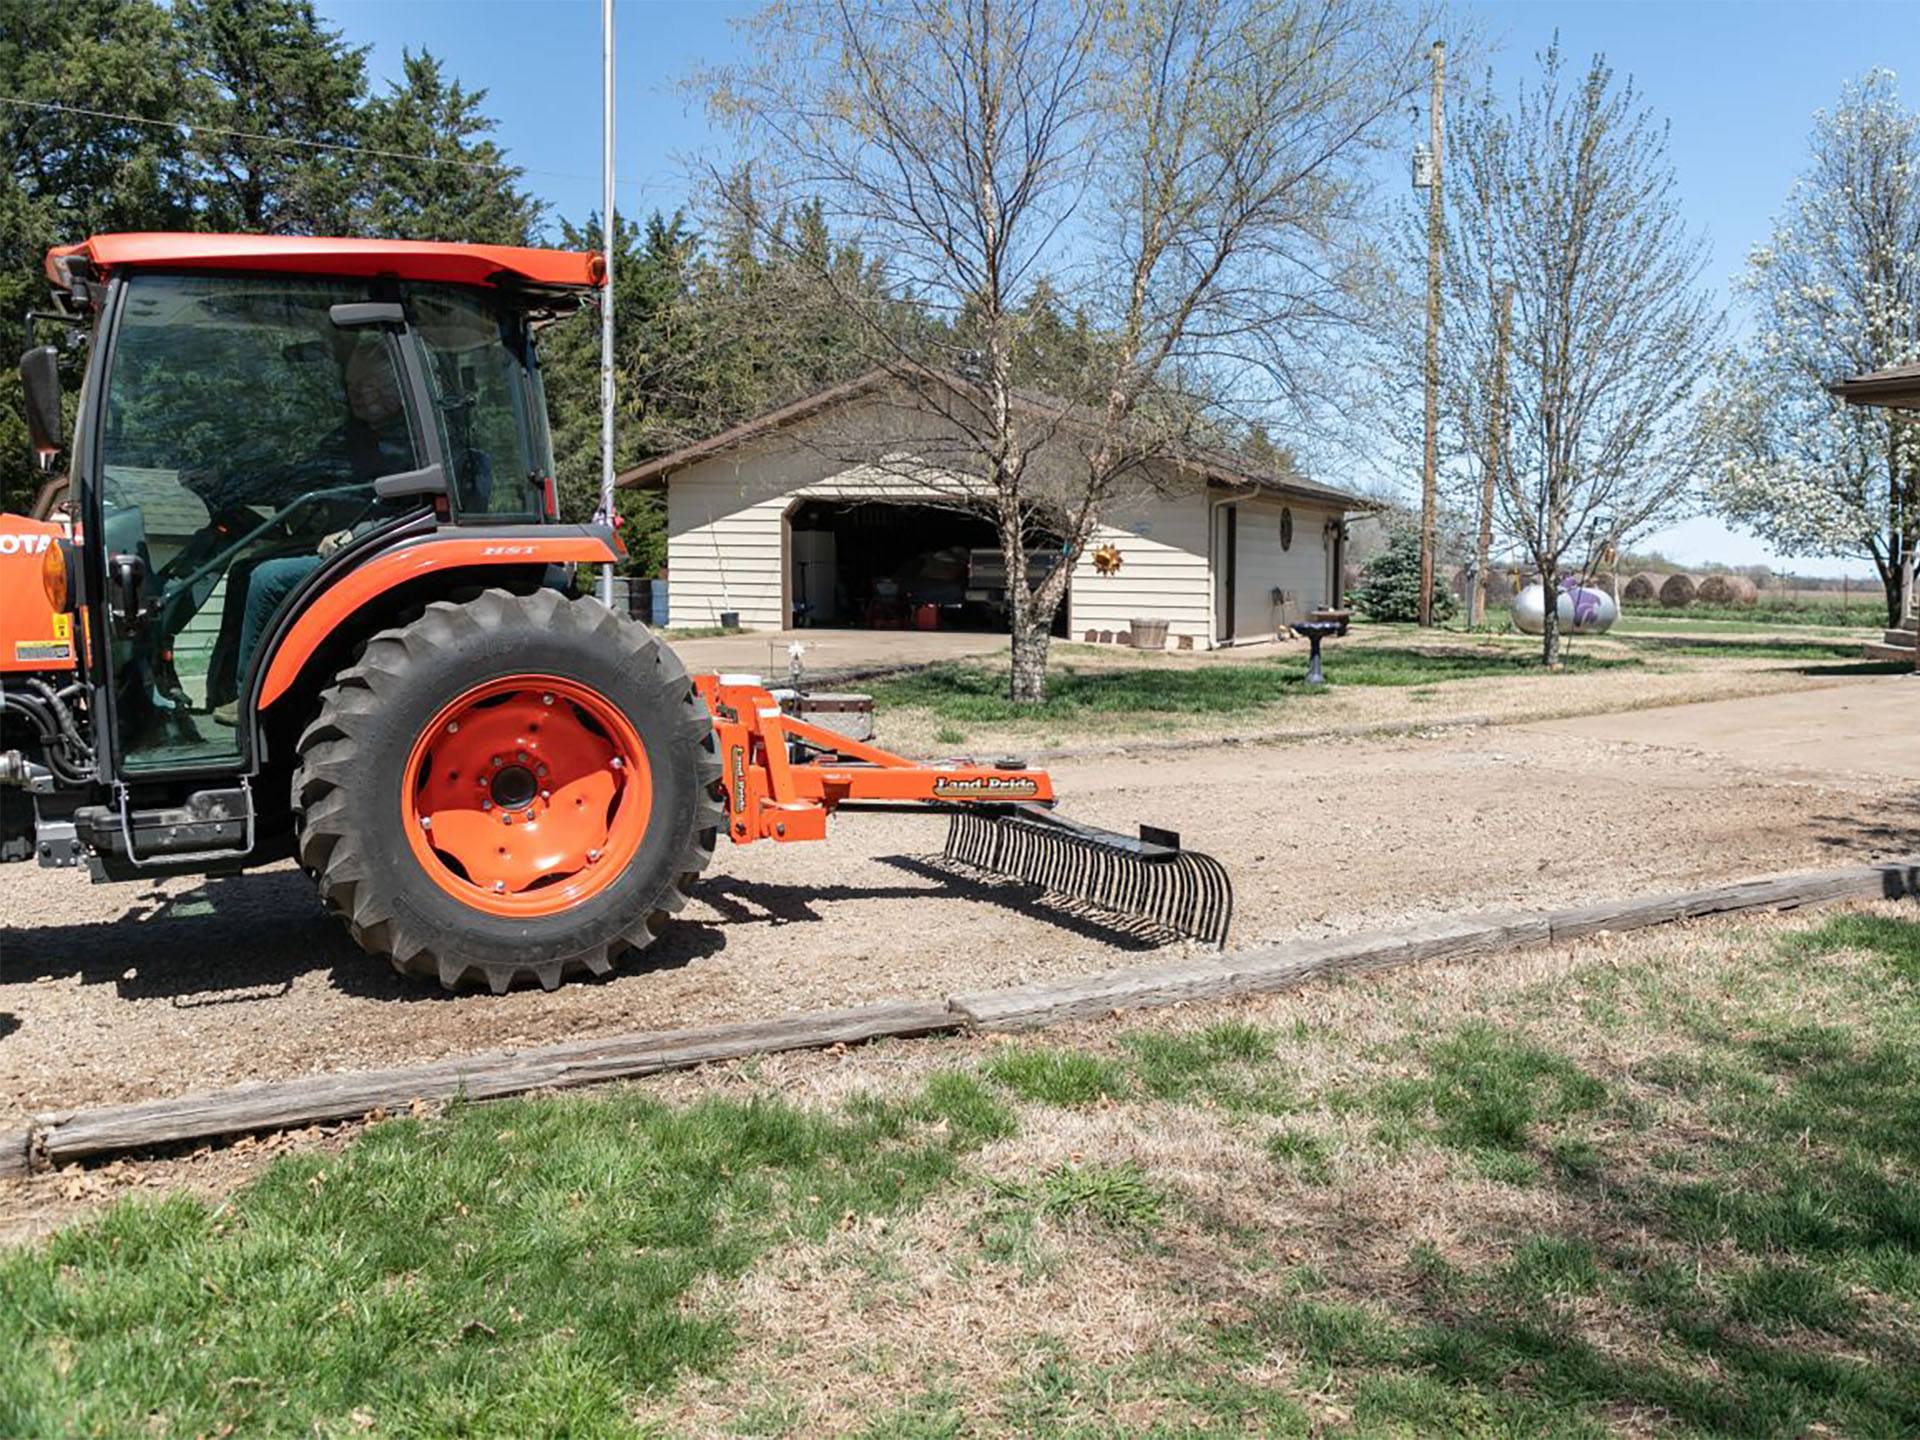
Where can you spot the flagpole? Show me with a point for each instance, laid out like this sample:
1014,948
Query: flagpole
606,290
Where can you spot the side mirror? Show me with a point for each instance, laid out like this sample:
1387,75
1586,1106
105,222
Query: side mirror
126,578
40,372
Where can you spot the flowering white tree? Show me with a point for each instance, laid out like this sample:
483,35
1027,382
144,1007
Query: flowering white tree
1564,196
1835,292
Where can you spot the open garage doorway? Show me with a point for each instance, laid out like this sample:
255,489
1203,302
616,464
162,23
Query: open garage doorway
895,565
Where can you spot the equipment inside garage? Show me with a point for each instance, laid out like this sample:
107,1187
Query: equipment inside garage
888,565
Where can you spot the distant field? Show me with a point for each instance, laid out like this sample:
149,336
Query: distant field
1811,607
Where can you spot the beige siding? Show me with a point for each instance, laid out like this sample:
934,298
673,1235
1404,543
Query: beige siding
1163,572
1263,567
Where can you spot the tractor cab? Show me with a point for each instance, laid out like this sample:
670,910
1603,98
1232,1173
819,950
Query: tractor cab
244,427
280,446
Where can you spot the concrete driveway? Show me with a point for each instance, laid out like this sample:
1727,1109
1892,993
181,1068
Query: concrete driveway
1858,727
764,652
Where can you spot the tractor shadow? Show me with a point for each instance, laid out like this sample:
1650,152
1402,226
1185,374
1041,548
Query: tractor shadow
242,939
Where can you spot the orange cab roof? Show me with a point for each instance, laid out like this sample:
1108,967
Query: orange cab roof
459,264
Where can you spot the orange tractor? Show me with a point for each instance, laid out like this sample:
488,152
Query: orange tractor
303,592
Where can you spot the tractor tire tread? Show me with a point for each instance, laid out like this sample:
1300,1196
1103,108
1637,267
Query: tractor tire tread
328,764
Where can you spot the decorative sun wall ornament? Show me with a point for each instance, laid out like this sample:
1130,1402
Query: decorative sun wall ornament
1106,560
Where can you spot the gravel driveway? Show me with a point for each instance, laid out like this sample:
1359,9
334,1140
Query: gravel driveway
120,992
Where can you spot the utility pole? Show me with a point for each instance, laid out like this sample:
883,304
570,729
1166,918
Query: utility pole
1496,452
1429,500
606,514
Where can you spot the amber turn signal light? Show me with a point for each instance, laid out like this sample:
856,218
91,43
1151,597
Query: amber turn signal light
56,575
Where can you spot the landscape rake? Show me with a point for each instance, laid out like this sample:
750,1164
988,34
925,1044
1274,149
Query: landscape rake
1148,878
785,774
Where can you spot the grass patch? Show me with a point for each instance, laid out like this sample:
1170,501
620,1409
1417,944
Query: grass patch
698,632
1052,1076
966,693
1735,649
1896,943
1308,1156
1722,1237
1115,1197
1228,1063
549,1245
1487,1089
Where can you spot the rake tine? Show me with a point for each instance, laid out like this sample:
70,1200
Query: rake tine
1150,879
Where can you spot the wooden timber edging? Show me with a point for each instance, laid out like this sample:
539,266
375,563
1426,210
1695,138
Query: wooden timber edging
65,1137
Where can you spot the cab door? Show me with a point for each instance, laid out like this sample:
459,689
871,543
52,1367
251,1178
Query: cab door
241,432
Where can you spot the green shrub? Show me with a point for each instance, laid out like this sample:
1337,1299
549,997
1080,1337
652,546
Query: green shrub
1389,589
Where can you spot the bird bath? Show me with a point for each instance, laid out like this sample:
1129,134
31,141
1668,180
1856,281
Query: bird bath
1316,631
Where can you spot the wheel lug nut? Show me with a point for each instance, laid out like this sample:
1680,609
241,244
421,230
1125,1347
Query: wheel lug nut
617,763
593,857
521,756
546,794
499,887
546,699
486,804
498,761
453,727
426,822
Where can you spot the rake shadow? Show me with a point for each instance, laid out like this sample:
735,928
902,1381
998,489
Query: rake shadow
753,902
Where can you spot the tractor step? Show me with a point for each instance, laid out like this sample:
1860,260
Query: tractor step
211,825
1148,878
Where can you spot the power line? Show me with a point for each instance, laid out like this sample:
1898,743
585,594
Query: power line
194,126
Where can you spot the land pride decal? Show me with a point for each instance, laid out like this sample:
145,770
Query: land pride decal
997,787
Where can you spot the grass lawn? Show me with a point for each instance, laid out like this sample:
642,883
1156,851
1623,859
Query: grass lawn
1663,1184
1089,694
1751,620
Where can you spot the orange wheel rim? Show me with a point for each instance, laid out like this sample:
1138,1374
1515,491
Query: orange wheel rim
527,795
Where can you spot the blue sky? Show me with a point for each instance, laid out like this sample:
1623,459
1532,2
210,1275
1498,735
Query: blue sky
1738,82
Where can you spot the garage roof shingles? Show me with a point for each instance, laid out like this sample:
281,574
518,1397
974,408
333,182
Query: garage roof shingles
1218,467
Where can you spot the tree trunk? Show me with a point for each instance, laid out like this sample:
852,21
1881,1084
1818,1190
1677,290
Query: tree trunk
1550,621
1027,684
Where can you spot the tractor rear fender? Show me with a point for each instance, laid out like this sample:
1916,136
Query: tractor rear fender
447,557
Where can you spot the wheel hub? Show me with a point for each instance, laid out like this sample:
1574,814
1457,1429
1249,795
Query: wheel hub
527,795
514,787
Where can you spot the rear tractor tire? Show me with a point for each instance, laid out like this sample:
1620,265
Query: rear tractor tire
521,787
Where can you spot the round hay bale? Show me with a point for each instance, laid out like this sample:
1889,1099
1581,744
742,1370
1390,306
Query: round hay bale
1499,586
1727,590
1677,591
1644,587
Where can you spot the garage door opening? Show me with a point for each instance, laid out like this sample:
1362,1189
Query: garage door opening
886,565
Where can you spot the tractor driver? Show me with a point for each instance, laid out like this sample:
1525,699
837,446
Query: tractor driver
374,441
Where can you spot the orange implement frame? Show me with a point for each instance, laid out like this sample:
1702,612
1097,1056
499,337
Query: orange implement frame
771,795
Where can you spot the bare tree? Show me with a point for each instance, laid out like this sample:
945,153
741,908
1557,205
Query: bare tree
1186,175
1834,292
1565,197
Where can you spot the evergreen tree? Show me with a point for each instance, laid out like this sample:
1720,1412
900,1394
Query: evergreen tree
1389,589
269,88
464,190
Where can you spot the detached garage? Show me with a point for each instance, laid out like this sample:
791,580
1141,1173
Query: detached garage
837,512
